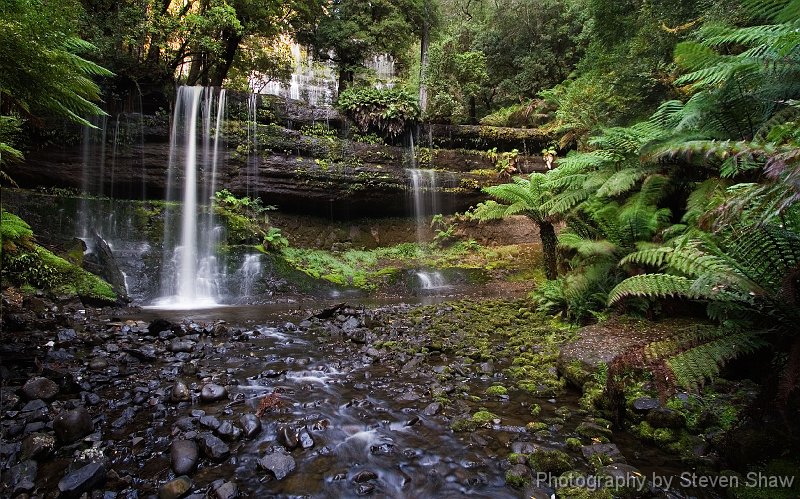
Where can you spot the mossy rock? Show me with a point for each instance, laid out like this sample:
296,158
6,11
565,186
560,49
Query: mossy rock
550,461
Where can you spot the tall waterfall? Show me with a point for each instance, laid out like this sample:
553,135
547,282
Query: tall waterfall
424,193
190,269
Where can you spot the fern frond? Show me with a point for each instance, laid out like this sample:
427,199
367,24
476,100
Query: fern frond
705,360
658,285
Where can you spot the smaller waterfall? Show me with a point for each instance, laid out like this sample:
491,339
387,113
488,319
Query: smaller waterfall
252,146
248,273
431,280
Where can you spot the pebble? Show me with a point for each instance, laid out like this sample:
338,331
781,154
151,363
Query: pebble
175,488
279,463
212,392
180,392
37,446
83,480
224,490
183,454
40,388
214,448
21,478
71,426
251,425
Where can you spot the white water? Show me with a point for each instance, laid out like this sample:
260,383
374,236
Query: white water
424,191
191,272
248,273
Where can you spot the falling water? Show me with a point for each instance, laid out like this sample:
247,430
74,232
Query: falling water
424,191
248,273
383,65
191,270
252,145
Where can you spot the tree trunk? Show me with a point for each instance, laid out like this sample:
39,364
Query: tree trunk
222,68
345,79
547,233
473,115
194,70
423,66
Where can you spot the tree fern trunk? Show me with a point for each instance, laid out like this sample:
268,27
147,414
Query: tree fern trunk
547,233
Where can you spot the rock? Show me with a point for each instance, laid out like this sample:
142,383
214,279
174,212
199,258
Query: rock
100,261
486,368
287,436
365,476
181,346
229,431
34,405
432,409
210,422
37,446
66,335
83,480
98,364
159,325
279,463
71,426
519,474
214,448
180,392
589,429
251,425
183,455
662,417
350,324
610,450
175,488
645,404
622,473
306,441
365,489
411,366
39,388
21,478
224,490
533,492
212,392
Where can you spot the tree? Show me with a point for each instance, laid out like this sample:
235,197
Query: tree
41,71
454,79
353,30
524,197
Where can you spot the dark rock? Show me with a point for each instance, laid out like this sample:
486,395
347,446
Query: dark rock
251,425
22,477
412,365
100,261
411,422
279,463
224,490
645,404
34,405
662,417
83,480
364,476
39,388
159,325
621,473
351,324
214,448
71,426
212,392
365,489
589,429
520,472
98,364
210,422
180,392
66,335
287,436
176,488
609,450
181,346
229,431
432,409
183,454
37,446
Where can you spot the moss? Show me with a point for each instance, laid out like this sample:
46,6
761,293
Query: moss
534,426
536,409
516,480
516,458
574,443
663,435
594,429
786,468
584,493
482,418
497,390
550,461
643,430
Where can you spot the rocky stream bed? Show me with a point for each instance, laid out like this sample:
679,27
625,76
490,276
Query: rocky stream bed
341,402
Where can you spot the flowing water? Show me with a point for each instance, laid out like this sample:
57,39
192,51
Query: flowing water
425,203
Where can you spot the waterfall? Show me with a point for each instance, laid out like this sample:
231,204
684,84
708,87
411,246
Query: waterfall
248,273
190,269
425,198
252,145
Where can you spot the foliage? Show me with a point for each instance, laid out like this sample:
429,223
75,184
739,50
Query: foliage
274,240
453,78
532,113
388,111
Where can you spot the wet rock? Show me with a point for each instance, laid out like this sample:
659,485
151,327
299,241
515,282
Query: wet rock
411,422
662,417
412,365
37,446
214,448
287,436
610,450
533,492
621,473
210,422
645,404
183,455
71,426
39,388
365,489
432,409
229,431
21,477
251,425
350,324
83,480
180,392
175,488
519,474
365,476
66,335
306,441
486,368
181,346
159,325
279,463
34,405
212,392
224,490
98,364
589,429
